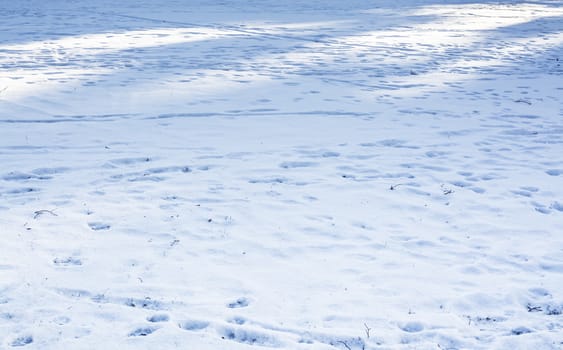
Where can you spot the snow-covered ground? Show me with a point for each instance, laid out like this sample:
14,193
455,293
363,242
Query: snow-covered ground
246,174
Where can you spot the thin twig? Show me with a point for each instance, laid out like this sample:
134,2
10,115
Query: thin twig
521,100
367,330
38,213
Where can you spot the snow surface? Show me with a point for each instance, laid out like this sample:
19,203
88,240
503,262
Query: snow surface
247,174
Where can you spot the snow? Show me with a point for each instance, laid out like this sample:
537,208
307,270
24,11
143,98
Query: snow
281,174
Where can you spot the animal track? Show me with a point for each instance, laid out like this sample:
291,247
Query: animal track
389,143
146,303
412,327
130,161
98,226
520,331
273,180
556,206
251,337
22,190
158,318
143,331
22,341
237,320
240,302
549,309
146,178
50,171
540,208
291,165
193,325
7,316
330,154
183,169
149,175
18,176
70,261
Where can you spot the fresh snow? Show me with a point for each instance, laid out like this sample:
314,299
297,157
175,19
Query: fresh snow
253,174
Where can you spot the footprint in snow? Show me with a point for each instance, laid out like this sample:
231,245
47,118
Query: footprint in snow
240,302
97,226
557,206
158,318
143,331
291,165
22,341
412,327
237,320
193,325
521,330
540,208
251,337
130,161
70,261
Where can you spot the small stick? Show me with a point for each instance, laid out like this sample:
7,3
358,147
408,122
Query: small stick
43,211
520,100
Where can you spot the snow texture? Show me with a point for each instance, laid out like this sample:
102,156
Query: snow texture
247,174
